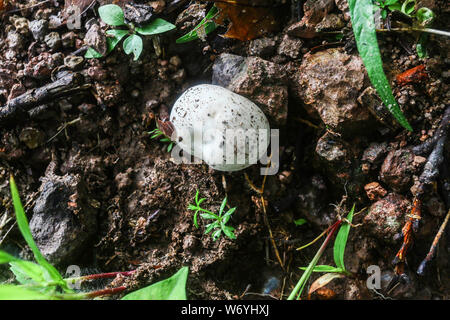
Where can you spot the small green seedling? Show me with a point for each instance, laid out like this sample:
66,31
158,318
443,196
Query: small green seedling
386,5
156,133
206,26
339,249
113,15
220,222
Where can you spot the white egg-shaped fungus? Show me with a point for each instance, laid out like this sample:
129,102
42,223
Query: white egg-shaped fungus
227,131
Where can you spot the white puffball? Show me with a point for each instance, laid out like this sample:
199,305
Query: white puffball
206,116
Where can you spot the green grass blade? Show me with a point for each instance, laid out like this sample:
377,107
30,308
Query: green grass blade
361,12
6,257
209,26
341,241
24,228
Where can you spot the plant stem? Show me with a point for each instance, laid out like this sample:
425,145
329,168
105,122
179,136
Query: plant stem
99,276
302,282
427,30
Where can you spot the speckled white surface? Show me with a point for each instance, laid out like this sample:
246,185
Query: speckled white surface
208,113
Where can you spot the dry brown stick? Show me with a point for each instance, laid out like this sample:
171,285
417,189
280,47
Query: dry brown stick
19,106
431,253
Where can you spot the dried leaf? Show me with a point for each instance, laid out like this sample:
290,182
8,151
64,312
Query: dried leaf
2,5
249,19
323,281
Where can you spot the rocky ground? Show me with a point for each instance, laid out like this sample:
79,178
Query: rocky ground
102,195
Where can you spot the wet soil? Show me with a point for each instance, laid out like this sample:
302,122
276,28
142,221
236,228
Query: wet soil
88,154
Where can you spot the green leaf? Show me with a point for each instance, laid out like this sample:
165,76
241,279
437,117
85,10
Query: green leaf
92,54
229,232
170,147
173,288
341,241
209,216
324,268
222,206
27,272
207,25
396,6
118,35
112,14
196,219
6,257
300,222
366,41
133,44
408,6
155,27
216,234
226,217
196,196
24,228
12,292
425,16
211,226
421,47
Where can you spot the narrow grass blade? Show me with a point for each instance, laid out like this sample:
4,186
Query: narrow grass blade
24,228
361,12
341,241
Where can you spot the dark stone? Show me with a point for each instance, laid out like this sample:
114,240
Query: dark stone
63,220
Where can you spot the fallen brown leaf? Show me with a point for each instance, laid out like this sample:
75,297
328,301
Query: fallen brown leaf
249,19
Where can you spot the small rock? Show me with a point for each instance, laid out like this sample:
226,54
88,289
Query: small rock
32,137
375,152
40,67
139,14
63,221
73,62
68,39
374,191
175,61
385,217
38,29
262,47
328,83
109,93
397,169
21,24
343,6
96,39
123,179
53,40
15,40
330,22
290,47
262,81
97,73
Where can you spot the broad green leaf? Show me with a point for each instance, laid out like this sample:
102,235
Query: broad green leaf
112,14
27,272
24,228
324,268
155,27
300,222
117,36
6,257
341,241
366,40
173,288
133,44
12,292
207,25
